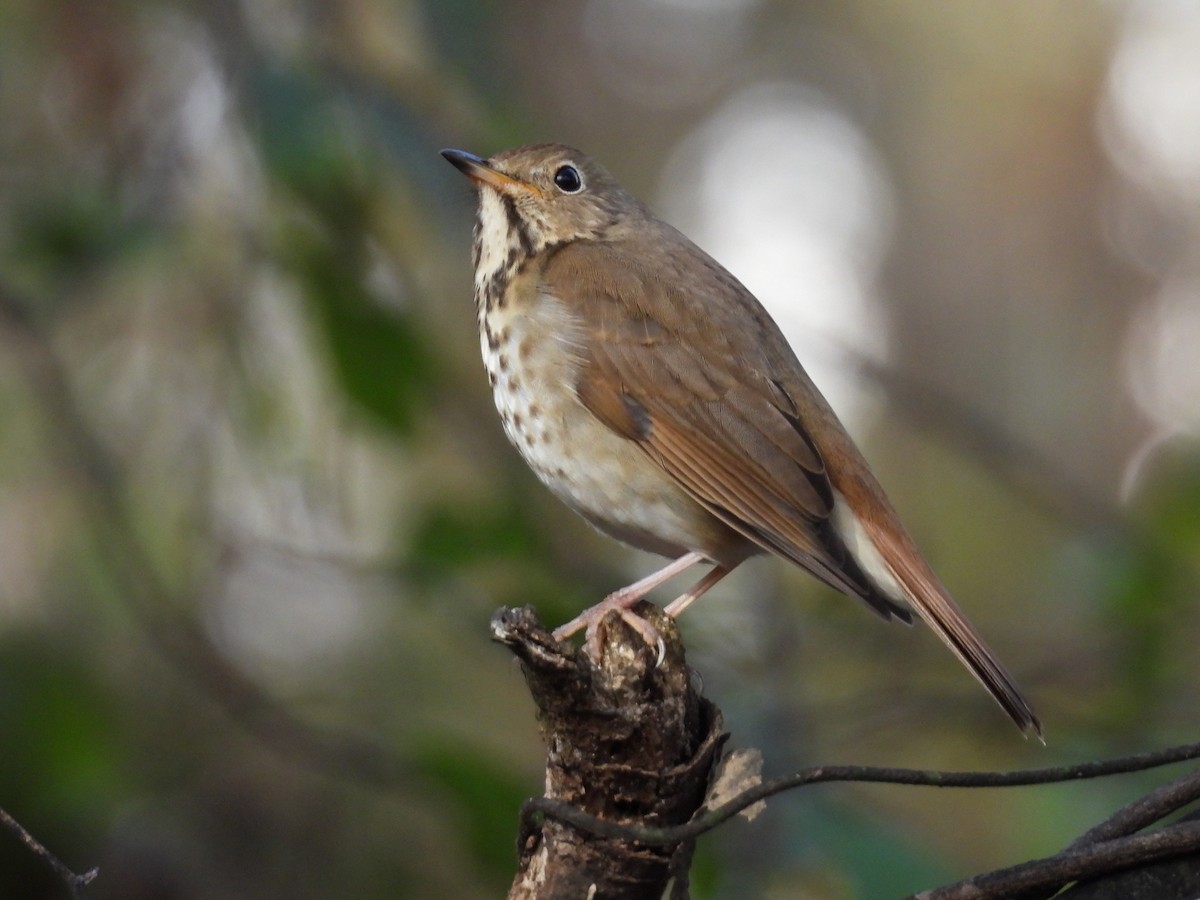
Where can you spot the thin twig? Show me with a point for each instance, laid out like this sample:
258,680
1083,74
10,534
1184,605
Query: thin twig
1133,817
75,882
542,807
1158,804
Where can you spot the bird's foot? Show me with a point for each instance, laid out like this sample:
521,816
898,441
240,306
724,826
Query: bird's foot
591,619
623,601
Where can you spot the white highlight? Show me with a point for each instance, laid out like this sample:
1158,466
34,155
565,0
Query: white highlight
786,191
864,551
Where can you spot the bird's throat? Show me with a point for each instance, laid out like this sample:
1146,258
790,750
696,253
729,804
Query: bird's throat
502,246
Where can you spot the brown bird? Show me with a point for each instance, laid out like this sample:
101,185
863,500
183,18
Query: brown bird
653,394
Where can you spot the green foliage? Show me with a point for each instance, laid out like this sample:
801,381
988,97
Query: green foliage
71,234
876,856
311,145
62,772
1149,587
56,726
454,537
1172,503
505,539
486,798
376,353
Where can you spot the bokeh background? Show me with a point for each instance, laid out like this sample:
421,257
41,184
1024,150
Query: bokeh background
256,509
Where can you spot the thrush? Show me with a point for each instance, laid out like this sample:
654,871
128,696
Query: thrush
654,395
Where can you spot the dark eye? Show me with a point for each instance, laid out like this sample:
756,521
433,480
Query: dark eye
568,180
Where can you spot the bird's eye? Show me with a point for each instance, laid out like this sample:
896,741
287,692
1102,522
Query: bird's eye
568,180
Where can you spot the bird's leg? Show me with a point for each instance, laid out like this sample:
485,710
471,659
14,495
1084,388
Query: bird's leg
623,599
684,600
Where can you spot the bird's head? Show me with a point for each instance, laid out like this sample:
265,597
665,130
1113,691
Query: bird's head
542,195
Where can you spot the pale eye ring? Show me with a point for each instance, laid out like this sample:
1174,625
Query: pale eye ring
568,180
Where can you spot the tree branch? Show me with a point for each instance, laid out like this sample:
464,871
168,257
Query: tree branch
1144,811
627,741
548,808
76,883
1070,865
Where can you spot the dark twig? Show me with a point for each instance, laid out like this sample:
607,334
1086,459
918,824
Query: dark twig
76,883
1144,811
541,807
1139,814
1070,865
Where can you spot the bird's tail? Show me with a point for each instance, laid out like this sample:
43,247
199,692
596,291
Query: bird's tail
927,597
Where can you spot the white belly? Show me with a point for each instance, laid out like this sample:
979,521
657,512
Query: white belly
531,354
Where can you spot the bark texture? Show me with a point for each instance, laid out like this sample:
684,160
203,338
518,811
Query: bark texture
627,740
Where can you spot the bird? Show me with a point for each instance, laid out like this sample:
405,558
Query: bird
652,393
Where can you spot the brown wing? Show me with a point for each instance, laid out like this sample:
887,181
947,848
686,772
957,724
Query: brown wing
692,386
680,358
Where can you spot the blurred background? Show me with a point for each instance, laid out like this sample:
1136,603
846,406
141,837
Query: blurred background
256,508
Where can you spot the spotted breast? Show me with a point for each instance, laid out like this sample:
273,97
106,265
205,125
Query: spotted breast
533,348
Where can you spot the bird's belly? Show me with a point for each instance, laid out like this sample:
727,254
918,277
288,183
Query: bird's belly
606,478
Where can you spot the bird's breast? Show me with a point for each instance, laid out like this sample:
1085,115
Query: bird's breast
533,347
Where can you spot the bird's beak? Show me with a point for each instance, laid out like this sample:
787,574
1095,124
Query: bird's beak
480,172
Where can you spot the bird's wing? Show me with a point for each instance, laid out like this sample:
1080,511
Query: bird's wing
713,418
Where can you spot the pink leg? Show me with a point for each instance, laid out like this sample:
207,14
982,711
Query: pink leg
626,597
683,601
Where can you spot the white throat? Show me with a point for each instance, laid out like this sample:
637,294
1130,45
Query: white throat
497,247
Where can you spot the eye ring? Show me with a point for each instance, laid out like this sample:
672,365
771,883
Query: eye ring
568,179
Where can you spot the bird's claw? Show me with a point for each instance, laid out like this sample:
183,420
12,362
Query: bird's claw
592,618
